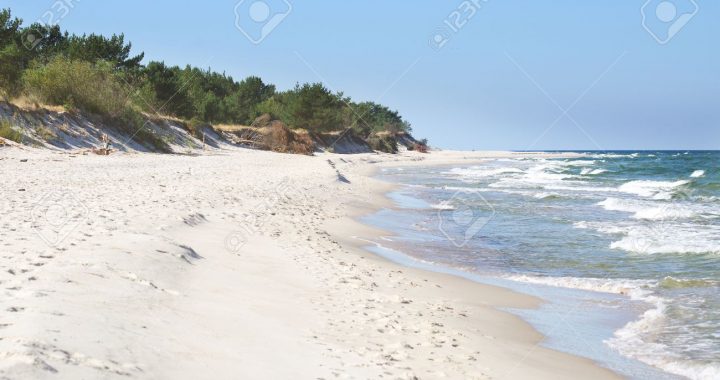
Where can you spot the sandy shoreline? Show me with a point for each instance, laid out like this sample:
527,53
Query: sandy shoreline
232,264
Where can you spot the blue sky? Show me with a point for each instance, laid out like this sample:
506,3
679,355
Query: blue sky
518,74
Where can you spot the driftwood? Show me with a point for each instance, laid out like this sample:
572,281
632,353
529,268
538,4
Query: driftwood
249,142
102,151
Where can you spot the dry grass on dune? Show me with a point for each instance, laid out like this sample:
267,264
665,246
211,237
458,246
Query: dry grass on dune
268,134
26,103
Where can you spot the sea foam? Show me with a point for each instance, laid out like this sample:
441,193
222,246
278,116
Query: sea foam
632,340
645,210
589,171
654,189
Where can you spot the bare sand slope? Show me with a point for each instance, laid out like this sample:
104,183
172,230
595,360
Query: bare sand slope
243,264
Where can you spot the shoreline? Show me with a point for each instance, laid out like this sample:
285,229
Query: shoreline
236,261
488,300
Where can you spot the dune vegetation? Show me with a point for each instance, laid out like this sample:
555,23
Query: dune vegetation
98,75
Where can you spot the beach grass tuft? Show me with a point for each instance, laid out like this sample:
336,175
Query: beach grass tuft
8,132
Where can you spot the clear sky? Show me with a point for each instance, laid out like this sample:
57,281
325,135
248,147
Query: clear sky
518,74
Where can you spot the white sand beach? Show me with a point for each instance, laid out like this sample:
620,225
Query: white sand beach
236,264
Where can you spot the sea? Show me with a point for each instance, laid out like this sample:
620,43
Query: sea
623,247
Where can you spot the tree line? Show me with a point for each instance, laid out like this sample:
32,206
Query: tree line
101,75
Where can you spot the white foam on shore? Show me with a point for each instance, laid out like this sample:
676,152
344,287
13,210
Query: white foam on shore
632,339
697,174
653,189
629,341
637,289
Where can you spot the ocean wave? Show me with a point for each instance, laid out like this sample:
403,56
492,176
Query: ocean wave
583,225
695,371
643,210
547,196
659,237
636,338
667,239
629,341
578,186
539,176
697,174
442,206
612,155
466,189
590,171
576,162
653,189
636,289
670,282
476,172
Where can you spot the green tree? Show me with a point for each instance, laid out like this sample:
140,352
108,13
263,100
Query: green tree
93,48
8,27
368,117
163,87
11,56
243,103
313,107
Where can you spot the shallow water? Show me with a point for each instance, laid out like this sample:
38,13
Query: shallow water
634,237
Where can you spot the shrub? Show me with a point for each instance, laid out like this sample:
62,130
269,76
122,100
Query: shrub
93,88
196,127
9,133
383,143
134,124
46,133
89,87
10,70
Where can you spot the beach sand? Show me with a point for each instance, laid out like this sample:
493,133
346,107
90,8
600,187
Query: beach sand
236,264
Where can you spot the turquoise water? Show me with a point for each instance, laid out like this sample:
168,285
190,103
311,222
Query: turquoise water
625,246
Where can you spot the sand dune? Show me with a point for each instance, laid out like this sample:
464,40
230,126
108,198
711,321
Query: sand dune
235,264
